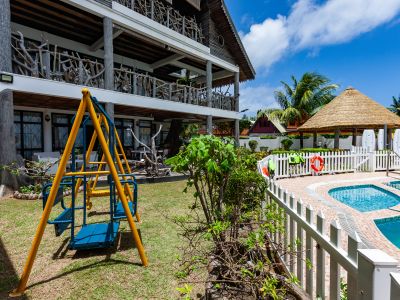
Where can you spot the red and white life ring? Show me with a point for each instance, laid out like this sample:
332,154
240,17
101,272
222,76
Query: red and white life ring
314,166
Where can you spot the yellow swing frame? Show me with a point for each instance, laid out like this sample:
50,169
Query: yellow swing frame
85,105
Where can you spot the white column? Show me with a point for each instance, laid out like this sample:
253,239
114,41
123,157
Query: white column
209,95
237,96
110,110
108,54
47,132
374,267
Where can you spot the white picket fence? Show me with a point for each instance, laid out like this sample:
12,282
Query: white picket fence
369,273
356,160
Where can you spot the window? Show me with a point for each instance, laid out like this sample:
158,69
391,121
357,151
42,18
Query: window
145,132
61,126
125,135
28,132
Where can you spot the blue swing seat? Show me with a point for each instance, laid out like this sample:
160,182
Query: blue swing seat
94,236
120,212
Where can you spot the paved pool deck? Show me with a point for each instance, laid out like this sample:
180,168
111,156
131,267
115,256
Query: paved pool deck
313,190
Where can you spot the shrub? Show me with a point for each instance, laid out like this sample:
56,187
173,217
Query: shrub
287,143
297,136
226,230
268,137
332,136
264,149
244,137
253,145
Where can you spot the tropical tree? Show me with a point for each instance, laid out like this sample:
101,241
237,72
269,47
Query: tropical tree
395,107
302,98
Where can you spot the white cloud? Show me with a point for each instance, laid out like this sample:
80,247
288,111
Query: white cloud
310,25
254,98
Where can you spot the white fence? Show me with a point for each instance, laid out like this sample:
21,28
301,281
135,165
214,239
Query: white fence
321,263
358,159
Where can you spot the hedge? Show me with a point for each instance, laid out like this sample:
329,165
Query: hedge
304,150
243,137
268,137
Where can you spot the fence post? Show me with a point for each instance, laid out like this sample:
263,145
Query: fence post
320,277
395,286
300,245
372,160
353,244
374,267
309,253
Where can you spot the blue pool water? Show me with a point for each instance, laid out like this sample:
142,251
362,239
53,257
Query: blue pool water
390,227
394,184
365,198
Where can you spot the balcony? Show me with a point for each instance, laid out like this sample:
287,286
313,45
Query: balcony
166,15
41,60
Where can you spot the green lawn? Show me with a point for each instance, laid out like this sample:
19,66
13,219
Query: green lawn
59,273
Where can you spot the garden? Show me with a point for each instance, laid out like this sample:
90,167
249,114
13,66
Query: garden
204,237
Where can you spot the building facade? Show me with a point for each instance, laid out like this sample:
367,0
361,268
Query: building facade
148,61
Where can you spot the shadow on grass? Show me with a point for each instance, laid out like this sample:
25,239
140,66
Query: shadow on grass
8,275
104,263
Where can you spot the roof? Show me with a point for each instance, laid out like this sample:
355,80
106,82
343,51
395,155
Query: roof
275,122
220,12
351,109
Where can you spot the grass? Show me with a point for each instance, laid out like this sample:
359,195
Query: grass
59,273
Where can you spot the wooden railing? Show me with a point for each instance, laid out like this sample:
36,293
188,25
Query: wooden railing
368,273
32,58
166,15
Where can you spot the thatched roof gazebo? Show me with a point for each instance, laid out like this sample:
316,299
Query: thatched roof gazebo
351,110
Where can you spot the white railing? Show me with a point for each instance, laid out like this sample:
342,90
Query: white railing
367,272
358,159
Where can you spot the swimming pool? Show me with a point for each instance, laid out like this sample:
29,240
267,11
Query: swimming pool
390,228
394,184
367,197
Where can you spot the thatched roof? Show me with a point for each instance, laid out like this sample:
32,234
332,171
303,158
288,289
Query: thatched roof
351,109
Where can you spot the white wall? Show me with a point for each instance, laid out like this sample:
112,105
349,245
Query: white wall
273,144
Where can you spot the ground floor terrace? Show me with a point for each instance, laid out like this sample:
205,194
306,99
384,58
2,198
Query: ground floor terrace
314,192
42,122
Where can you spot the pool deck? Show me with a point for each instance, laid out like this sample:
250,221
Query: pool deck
313,190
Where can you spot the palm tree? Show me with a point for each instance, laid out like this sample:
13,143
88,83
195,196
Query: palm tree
301,99
395,107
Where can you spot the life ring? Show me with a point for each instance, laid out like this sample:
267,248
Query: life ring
265,171
321,163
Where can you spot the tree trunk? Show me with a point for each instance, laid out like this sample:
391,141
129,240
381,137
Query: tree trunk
172,141
8,181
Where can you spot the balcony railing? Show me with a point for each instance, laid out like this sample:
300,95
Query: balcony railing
32,58
167,16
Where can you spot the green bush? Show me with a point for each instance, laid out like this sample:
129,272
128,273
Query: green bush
264,149
253,145
297,137
304,150
287,143
268,137
332,136
244,137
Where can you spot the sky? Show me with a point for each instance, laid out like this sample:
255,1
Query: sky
352,42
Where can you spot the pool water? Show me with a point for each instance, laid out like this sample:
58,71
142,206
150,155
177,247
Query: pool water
394,184
365,198
390,228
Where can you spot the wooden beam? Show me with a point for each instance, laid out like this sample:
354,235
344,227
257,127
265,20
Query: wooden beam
100,42
166,61
216,76
189,67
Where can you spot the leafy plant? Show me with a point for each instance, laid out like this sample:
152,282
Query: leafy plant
185,291
287,143
253,145
228,225
268,137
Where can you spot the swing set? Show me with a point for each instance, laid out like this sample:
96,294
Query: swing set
122,188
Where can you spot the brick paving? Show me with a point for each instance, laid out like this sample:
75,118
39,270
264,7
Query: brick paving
313,190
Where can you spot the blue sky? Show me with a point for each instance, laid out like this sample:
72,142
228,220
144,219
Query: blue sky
353,42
